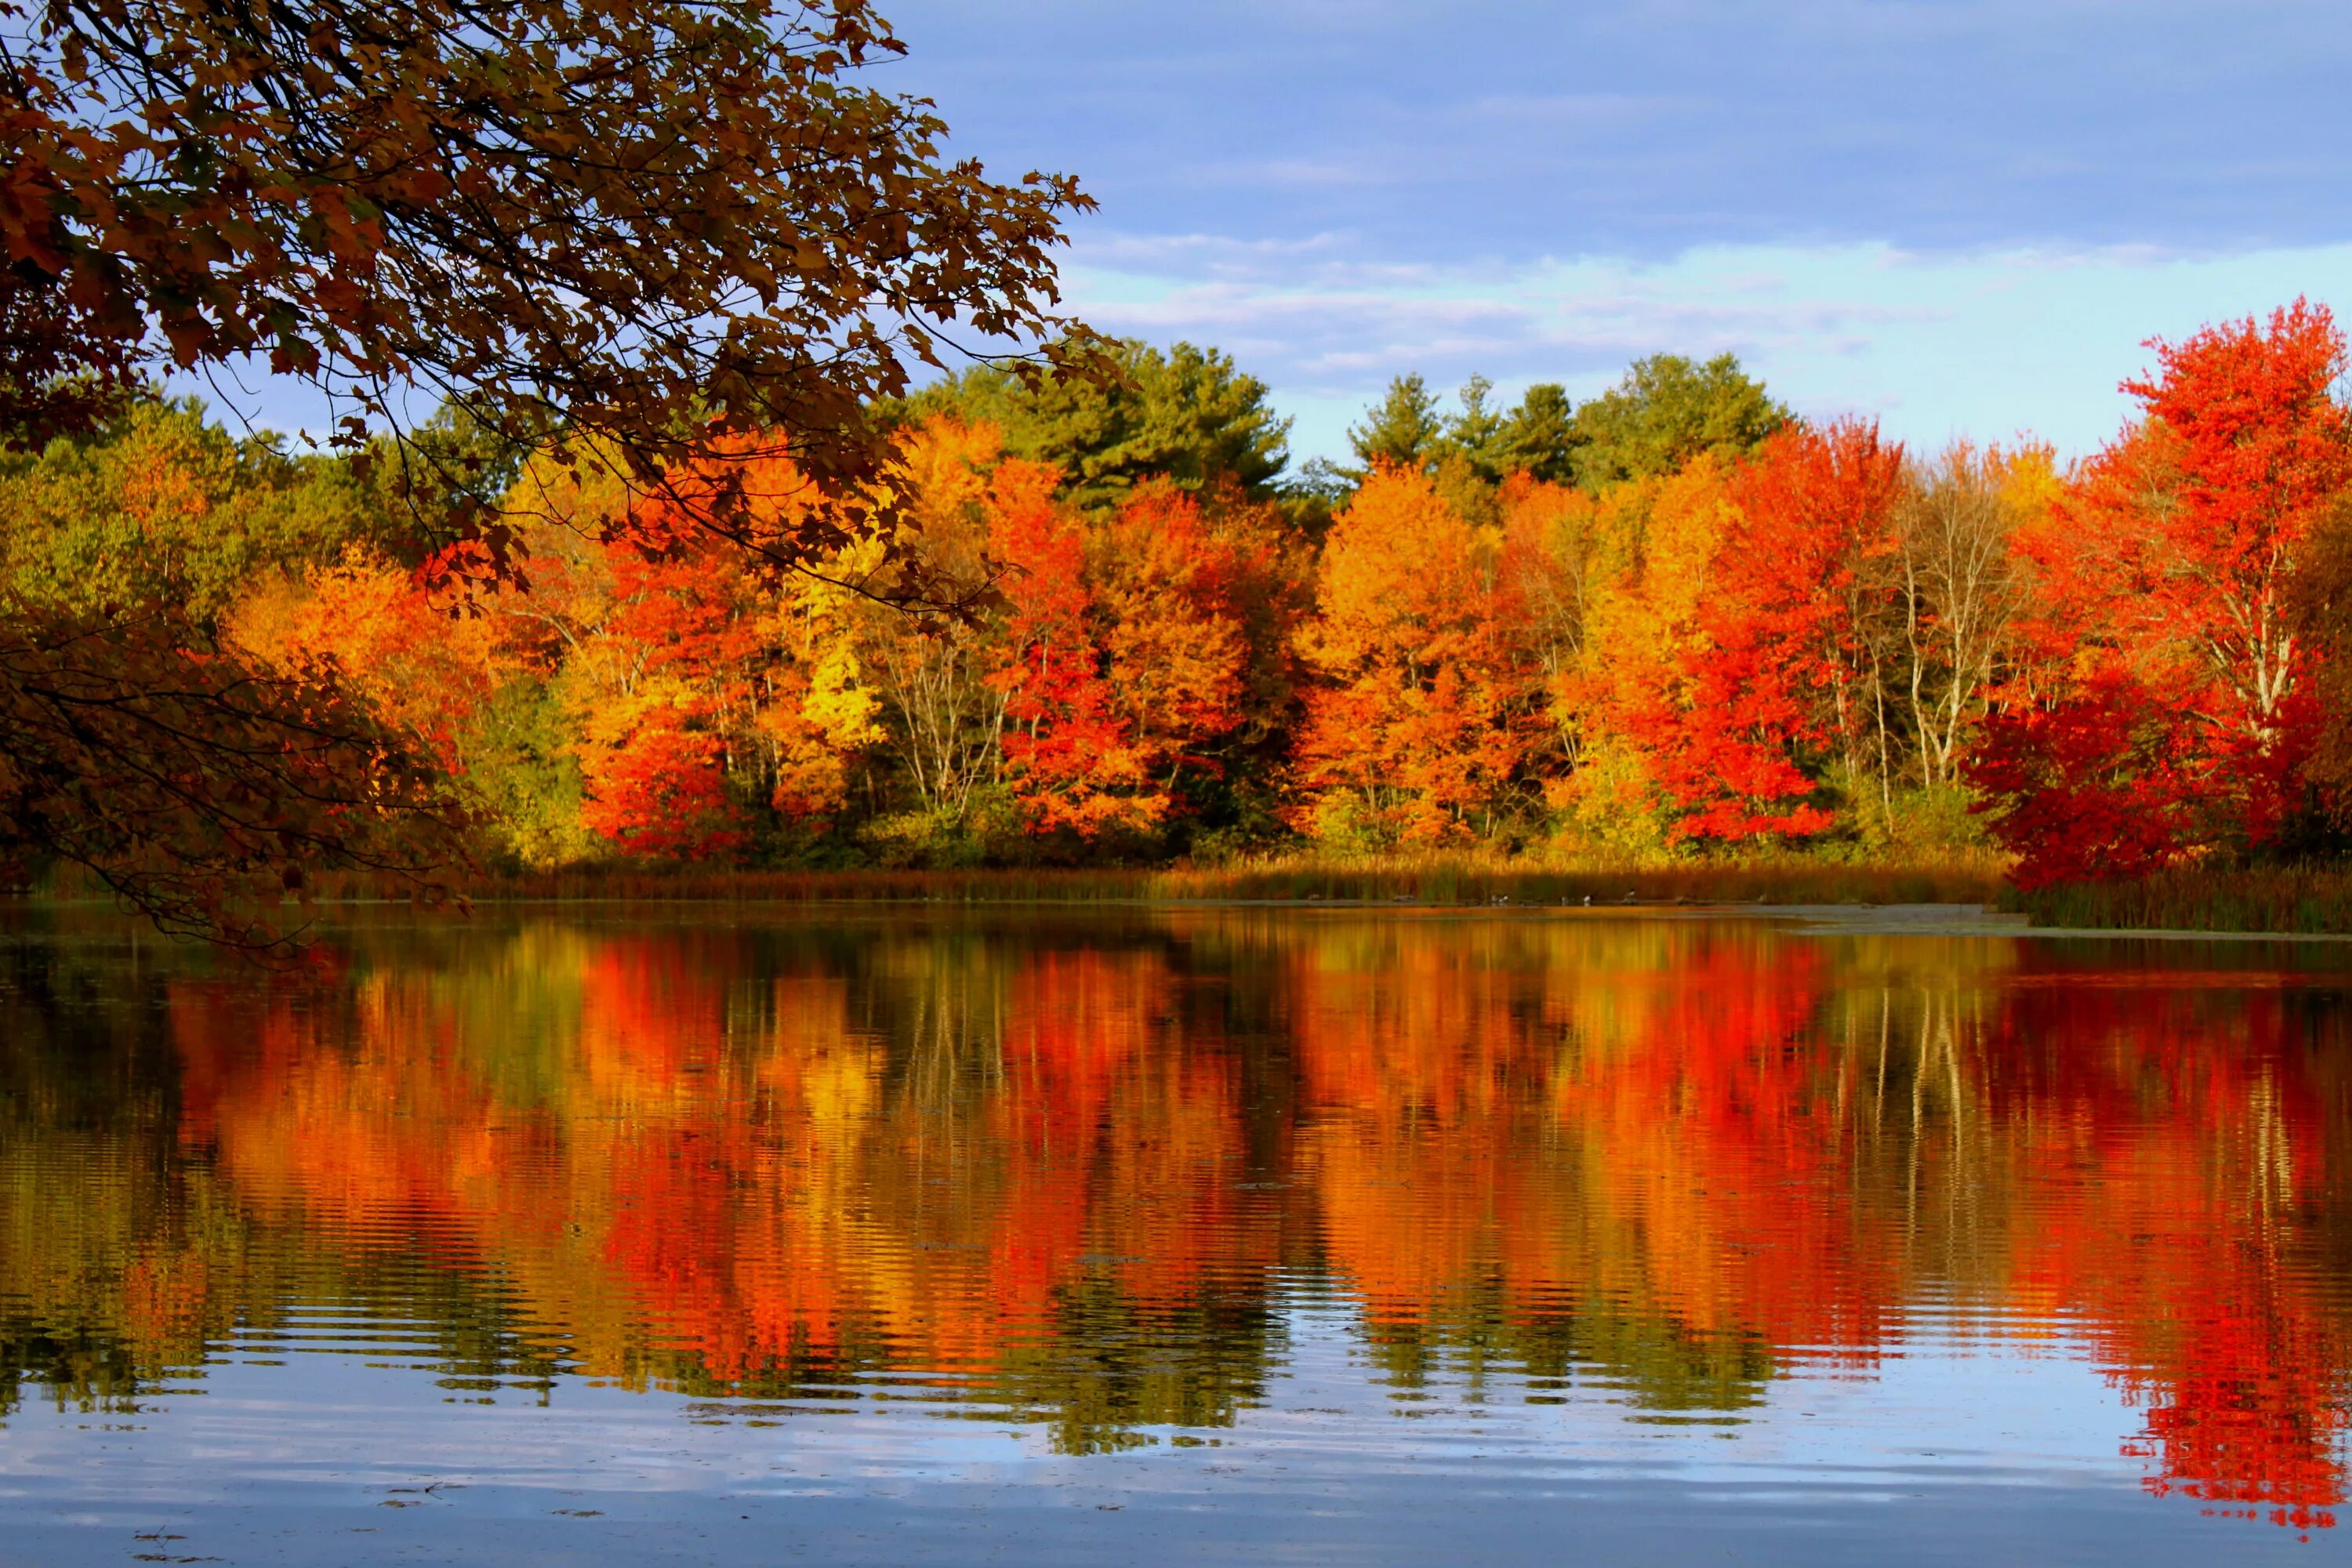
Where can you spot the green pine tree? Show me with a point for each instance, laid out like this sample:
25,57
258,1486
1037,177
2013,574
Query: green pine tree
1187,415
1667,410
1404,428
1539,438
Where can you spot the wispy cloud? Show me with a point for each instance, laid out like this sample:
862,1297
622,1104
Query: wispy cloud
1984,343
1642,128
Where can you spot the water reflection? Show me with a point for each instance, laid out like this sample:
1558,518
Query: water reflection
1083,1172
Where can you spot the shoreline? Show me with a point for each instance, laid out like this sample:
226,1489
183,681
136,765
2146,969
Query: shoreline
1955,918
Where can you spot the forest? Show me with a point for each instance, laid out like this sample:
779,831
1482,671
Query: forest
1105,621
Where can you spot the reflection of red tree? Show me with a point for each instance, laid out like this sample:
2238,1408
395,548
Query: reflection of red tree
2177,1139
1698,1113
2140,1151
1719,1131
1119,1126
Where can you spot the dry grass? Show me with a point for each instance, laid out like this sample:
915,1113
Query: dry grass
1464,879
2304,900
2291,899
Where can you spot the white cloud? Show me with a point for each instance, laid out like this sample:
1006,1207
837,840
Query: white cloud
1985,344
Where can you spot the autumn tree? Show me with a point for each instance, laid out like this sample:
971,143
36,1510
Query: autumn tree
1727,657
1070,753
822,719
1198,601
946,716
1701,740
709,700
1560,549
1807,589
2180,692
416,667
2245,438
577,223
679,659
1428,702
1963,590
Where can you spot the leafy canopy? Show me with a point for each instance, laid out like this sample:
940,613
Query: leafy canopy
635,235
579,220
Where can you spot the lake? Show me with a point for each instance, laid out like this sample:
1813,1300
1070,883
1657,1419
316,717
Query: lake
1126,1234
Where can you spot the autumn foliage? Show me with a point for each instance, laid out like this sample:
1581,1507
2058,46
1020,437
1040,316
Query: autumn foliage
1814,639
635,239
2164,700
1416,733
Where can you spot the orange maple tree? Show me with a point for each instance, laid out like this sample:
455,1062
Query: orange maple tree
1429,699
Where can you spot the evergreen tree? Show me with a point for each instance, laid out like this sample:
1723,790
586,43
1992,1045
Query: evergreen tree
1402,429
1667,410
1540,438
1478,435
1537,437
1187,415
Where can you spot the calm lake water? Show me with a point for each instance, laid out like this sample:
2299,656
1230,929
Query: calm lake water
1230,1235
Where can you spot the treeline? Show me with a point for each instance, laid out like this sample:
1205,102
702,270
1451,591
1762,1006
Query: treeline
1672,621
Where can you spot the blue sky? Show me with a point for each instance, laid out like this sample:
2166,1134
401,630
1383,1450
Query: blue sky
1963,217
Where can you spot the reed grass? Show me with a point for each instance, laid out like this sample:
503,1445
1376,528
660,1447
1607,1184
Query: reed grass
2303,900
1438,879
2292,900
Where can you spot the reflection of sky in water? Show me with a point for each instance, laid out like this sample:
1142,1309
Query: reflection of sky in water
1195,1235
2025,1435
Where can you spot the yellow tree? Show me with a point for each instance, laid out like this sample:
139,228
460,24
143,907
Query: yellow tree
1639,633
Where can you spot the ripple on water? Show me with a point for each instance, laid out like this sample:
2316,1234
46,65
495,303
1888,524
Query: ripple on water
1181,1233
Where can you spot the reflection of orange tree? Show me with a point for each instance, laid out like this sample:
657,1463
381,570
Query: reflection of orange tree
1595,1124
722,1184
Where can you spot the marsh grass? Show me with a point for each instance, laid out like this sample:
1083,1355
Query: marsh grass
2306,899
1447,879
2297,900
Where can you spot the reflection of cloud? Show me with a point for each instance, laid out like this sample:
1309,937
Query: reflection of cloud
1939,345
